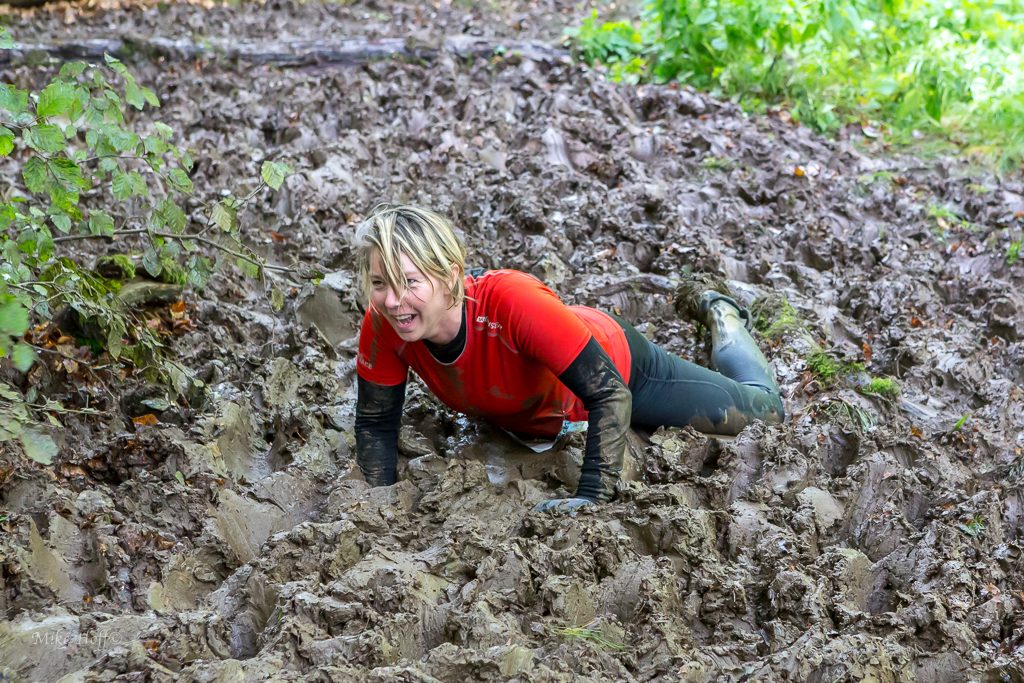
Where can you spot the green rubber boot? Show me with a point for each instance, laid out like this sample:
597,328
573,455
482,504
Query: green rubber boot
696,294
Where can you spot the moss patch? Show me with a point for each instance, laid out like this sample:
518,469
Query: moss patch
778,322
881,386
828,369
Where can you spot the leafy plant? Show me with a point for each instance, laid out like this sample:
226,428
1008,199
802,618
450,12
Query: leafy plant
1013,251
616,44
974,527
87,169
925,68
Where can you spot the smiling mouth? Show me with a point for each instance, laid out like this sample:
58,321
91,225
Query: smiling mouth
403,319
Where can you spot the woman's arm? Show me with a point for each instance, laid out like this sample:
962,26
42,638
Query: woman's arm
378,418
597,383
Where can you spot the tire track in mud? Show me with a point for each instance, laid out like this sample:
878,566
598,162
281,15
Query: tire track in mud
829,548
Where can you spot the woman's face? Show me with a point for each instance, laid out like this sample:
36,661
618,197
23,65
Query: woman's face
423,311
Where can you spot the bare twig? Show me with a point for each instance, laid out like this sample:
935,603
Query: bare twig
62,410
182,237
226,250
88,366
113,236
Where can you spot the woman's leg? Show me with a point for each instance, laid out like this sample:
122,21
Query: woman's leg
669,391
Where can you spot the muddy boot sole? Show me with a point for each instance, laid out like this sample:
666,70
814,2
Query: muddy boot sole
689,295
709,298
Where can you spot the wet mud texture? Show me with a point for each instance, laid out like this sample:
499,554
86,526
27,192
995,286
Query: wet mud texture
863,539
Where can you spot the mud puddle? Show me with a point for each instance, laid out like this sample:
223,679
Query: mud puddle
867,538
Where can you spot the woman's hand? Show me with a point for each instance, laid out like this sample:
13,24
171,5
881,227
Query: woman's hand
570,505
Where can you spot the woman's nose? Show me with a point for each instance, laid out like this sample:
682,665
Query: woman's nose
392,299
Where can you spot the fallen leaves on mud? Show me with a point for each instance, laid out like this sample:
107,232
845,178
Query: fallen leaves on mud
238,544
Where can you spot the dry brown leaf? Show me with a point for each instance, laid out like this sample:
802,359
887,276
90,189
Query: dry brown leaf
69,471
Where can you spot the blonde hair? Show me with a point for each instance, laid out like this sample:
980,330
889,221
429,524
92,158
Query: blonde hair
426,237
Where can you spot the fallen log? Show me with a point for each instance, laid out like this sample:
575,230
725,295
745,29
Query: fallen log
24,3
293,54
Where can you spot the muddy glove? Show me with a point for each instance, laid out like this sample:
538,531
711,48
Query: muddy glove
378,418
597,382
570,505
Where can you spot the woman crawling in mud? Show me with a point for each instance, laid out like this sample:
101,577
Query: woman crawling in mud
502,346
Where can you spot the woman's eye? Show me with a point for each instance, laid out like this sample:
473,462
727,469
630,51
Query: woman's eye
411,281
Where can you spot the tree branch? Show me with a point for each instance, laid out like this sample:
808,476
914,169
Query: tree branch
182,237
115,235
226,250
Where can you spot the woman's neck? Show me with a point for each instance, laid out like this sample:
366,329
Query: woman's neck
449,326
450,352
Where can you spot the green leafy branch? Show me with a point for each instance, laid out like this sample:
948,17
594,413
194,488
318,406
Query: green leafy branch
87,168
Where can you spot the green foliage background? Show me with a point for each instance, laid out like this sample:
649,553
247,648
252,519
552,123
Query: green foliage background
949,71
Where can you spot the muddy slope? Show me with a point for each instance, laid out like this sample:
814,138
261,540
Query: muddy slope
865,539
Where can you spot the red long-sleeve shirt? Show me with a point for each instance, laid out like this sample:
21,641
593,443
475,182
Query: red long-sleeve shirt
519,338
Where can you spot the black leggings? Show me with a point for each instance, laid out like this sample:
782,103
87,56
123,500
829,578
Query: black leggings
671,392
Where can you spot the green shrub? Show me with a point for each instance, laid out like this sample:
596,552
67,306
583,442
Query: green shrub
86,167
953,71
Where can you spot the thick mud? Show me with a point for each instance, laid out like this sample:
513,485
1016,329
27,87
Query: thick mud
864,539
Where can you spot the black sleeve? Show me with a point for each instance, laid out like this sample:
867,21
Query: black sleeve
597,382
378,418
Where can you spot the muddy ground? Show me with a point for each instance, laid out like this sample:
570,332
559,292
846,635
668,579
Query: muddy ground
864,539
